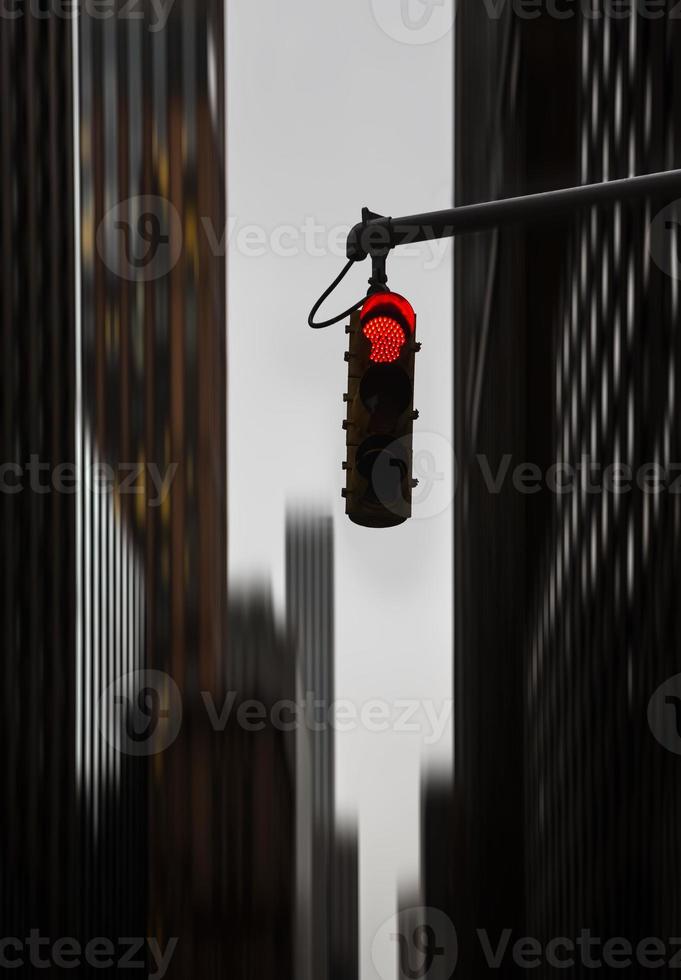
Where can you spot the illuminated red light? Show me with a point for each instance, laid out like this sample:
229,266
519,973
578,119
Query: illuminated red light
386,336
387,320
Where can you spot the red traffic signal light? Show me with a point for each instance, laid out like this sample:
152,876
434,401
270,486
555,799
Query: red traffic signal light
380,411
388,322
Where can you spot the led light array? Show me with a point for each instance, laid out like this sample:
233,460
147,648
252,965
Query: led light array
386,337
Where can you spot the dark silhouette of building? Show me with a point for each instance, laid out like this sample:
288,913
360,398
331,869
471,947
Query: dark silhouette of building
111,359
43,867
327,854
310,624
154,393
441,866
410,961
566,612
345,905
258,787
327,872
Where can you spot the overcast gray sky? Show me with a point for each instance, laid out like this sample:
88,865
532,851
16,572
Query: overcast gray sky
332,106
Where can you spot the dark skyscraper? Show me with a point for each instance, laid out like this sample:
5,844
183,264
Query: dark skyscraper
258,787
113,370
39,838
441,866
567,349
344,941
310,623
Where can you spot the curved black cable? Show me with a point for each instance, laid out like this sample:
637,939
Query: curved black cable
326,294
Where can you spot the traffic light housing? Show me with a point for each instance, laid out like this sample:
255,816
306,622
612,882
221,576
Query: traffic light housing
380,411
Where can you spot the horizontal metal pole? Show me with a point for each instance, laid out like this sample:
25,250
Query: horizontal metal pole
378,234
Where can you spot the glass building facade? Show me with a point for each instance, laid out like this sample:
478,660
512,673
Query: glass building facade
567,359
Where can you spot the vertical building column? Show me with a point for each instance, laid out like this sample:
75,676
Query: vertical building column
310,621
39,850
154,554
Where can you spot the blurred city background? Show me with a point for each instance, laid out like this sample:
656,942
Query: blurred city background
178,574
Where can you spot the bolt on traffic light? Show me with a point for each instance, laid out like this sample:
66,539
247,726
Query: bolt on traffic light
380,411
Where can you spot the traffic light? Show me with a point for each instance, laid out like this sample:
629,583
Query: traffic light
380,411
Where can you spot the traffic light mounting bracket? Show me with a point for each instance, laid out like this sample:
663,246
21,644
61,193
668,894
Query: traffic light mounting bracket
377,235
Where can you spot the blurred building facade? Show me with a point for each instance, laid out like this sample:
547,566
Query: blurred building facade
410,960
310,624
327,853
442,869
345,912
43,867
153,368
567,345
114,368
258,786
